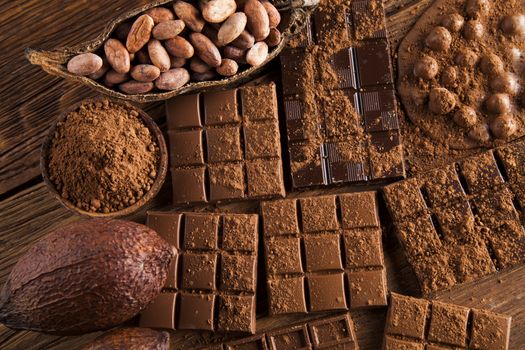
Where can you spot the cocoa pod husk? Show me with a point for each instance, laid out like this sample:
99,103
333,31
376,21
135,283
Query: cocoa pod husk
131,339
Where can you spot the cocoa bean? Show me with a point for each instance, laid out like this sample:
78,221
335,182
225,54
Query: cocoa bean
203,76
199,66
274,16
143,57
117,56
100,73
244,41
258,20
140,33
211,33
168,29
158,55
216,11
231,28
274,38
205,49
177,62
172,79
235,53
114,78
145,73
85,64
160,14
190,15
228,67
257,54
134,87
179,47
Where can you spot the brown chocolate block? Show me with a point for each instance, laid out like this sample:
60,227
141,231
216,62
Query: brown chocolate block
443,186
360,210
240,232
201,231
160,313
236,313
167,225
319,214
183,112
363,248
478,264
188,185
307,166
327,292
238,273
456,221
289,338
489,330
252,109
374,65
496,208
280,217
221,107
264,178
379,110
224,145
398,344
287,295
367,288
322,252
261,140
171,281
333,332
508,244
226,181
367,21
283,255
196,311
257,342
198,271
407,317
187,146
404,199
481,172
448,324
434,272
419,236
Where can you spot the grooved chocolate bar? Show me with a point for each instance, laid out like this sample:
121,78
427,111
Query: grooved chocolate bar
211,283
341,118
323,253
463,221
225,145
335,332
413,324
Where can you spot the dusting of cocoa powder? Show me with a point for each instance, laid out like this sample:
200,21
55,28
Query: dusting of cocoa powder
102,157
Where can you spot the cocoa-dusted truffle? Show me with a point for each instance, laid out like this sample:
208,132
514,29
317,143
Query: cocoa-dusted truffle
439,39
498,103
466,58
426,68
453,22
505,83
504,126
513,25
473,30
441,101
491,64
477,8
480,133
449,77
465,117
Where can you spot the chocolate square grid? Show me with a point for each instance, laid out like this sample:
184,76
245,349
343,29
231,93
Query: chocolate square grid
462,221
323,253
212,281
347,146
422,324
225,145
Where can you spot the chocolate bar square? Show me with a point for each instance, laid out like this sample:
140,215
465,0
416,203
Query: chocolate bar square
167,225
221,107
161,312
261,140
456,221
226,181
257,342
489,330
495,208
280,217
238,273
359,210
346,162
367,19
480,263
407,317
481,172
171,281
240,233
508,244
188,185
236,313
397,344
201,231
283,255
333,332
299,128
319,214
448,324
289,338
183,112
419,236
443,186
322,252
294,73
265,178
363,248
252,109
386,155
286,295
367,288
374,65
343,63
224,144
379,110
307,166
198,271
326,292
187,146
196,311
404,199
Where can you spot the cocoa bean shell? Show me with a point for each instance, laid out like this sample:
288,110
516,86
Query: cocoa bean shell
131,339
88,276
54,62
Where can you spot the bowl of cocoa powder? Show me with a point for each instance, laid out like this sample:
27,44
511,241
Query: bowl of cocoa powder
104,158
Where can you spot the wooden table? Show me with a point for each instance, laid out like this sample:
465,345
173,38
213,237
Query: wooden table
31,100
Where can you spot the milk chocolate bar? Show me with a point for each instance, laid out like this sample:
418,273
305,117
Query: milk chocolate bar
413,324
462,221
323,253
334,332
212,282
225,145
349,131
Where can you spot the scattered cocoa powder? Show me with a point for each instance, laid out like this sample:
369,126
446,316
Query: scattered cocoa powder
102,157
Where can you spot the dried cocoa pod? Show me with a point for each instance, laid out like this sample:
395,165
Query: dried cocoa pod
55,62
131,339
258,20
88,276
139,33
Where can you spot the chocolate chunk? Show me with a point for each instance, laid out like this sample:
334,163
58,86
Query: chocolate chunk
310,248
448,326
374,66
289,338
212,284
452,237
225,145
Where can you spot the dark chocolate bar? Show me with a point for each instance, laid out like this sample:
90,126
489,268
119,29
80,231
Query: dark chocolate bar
332,144
323,253
463,221
419,324
212,282
334,332
225,145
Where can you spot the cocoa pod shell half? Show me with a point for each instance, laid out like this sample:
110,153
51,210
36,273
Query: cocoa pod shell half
131,339
88,276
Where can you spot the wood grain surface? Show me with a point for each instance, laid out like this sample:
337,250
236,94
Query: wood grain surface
30,102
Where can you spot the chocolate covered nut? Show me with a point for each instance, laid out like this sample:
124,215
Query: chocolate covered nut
145,73
190,15
216,11
172,79
258,20
498,103
134,87
244,41
115,78
480,133
505,83
492,64
503,126
117,56
168,29
228,67
466,58
139,33
160,14
205,49
426,68
274,16
513,25
180,47
465,117
477,8
439,39
449,77
199,66
441,101
453,22
231,28
274,38
257,54
158,55
85,64
473,30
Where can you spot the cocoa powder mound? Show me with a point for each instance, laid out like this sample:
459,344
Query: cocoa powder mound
102,157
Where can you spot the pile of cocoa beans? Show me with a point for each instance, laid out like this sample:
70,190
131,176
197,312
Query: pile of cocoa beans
165,48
